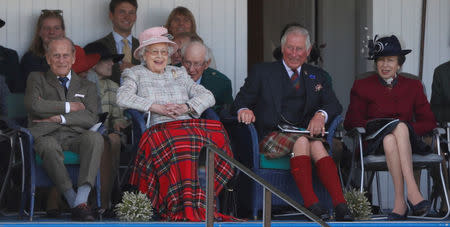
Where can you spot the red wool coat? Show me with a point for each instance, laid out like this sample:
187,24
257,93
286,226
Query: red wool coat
406,101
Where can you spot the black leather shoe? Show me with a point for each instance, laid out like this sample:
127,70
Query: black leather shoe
82,212
343,213
319,211
421,209
397,217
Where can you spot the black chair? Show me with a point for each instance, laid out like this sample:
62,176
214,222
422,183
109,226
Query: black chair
370,165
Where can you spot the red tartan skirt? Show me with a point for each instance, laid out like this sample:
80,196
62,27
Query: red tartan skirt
166,167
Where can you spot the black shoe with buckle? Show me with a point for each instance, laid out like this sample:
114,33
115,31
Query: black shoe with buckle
82,212
421,209
343,213
319,211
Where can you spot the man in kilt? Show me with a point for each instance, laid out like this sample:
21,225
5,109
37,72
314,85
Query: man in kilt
298,94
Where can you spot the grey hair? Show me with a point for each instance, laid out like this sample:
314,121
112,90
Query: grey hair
206,48
47,47
296,30
142,51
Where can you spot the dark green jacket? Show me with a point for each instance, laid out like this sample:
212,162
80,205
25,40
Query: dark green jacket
440,93
219,85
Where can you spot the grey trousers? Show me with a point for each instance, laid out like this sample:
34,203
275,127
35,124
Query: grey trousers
89,145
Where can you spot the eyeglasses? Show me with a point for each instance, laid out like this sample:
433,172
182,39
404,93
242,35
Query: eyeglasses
188,64
155,53
51,11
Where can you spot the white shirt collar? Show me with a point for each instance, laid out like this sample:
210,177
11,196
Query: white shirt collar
289,70
118,38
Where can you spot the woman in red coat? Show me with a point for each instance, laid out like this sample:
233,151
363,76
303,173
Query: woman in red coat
387,94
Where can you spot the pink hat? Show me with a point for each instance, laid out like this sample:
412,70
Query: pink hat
152,36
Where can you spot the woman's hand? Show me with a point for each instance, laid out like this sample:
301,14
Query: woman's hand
169,110
178,109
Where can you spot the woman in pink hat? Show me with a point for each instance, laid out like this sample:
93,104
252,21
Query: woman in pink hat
166,162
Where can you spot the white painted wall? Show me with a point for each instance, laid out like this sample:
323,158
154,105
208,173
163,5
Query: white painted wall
221,23
403,19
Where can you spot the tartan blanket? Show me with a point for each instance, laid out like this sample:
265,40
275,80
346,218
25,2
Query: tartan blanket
166,167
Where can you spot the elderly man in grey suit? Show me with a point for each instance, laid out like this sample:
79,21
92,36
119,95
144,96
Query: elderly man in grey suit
61,108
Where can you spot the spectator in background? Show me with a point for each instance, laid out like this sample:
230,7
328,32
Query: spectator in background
122,14
50,25
9,65
440,93
180,40
196,60
115,122
182,20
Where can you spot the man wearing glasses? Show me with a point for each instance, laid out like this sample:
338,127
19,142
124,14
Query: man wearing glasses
122,14
196,60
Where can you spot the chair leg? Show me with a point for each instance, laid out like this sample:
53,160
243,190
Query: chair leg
32,203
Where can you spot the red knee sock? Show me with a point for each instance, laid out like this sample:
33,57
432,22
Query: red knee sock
327,171
301,171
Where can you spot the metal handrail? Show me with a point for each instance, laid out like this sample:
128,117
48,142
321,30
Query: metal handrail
267,195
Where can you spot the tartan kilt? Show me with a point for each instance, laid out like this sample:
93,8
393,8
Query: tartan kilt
166,167
278,144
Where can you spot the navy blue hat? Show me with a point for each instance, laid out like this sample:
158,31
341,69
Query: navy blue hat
385,46
1,23
103,51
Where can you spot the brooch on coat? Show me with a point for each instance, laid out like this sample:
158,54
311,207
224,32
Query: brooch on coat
318,87
174,73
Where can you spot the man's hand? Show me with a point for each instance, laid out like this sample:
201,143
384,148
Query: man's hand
246,116
76,106
56,119
317,125
125,65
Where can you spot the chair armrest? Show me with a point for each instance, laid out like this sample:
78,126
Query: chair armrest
356,131
331,130
210,114
137,118
245,141
438,131
352,137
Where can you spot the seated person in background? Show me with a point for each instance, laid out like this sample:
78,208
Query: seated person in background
195,59
50,25
180,40
295,93
122,14
440,93
387,94
167,160
115,122
182,20
9,65
61,108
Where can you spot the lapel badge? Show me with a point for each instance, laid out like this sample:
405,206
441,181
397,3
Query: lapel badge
318,87
312,76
